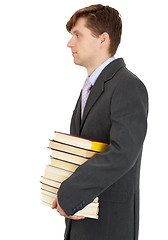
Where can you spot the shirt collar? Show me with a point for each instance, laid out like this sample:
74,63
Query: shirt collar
97,72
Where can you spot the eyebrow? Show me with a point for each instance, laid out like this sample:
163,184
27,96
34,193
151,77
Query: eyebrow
75,31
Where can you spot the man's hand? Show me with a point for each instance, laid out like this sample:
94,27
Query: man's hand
62,213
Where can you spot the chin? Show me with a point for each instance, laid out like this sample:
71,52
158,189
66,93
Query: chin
77,62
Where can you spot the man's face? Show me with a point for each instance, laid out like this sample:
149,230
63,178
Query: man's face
84,46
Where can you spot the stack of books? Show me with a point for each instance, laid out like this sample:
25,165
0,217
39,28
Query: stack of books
68,152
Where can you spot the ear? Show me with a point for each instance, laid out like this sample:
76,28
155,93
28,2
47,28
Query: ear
104,39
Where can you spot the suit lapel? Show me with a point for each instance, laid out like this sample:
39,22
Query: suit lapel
98,88
94,95
78,115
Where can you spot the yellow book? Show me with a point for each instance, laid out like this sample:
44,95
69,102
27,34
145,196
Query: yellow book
80,142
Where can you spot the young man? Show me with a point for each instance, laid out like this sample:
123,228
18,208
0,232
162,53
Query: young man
114,110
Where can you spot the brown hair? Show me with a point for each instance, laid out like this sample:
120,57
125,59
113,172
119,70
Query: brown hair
100,19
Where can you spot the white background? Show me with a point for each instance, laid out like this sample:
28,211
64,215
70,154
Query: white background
36,74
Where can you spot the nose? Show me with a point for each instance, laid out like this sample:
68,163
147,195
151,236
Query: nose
70,43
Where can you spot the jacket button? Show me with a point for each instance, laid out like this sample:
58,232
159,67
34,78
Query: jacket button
74,210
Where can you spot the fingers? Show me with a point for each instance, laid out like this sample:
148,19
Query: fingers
62,213
74,217
55,203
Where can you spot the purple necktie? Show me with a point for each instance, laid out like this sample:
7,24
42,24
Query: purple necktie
85,93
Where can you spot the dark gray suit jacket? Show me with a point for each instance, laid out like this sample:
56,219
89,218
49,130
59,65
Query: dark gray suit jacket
115,113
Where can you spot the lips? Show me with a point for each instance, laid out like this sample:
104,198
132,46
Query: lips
73,53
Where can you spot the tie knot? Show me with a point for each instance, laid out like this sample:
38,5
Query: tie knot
87,85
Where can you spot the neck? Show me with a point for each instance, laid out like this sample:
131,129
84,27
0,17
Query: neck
91,69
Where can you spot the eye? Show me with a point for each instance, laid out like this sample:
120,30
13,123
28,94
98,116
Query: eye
77,35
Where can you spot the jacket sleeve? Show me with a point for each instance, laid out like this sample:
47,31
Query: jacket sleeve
128,114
